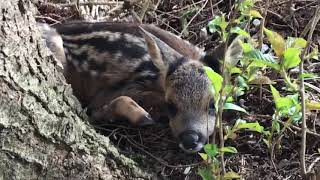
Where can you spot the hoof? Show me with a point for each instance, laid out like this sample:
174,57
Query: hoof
146,120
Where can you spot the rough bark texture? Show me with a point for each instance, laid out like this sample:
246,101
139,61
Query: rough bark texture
43,132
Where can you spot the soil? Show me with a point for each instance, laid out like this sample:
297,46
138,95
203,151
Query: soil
156,146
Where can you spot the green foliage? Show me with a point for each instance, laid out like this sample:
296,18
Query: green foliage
206,173
211,150
235,107
288,106
239,31
216,80
246,64
260,60
231,175
242,124
219,24
212,171
277,42
229,150
245,5
313,105
291,58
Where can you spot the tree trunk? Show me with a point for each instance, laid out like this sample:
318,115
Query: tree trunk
44,133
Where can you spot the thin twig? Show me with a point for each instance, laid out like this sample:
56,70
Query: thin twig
312,87
221,102
306,29
135,17
158,159
84,4
314,20
283,123
265,13
220,111
313,164
299,129
144,9
272,154
48,18
307,5
185,28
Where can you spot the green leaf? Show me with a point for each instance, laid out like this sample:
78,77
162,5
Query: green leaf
240,32
245,5
229,149
204,156
251,126
235,70
314,54
313,105
239,91
215,78
267,143
246,47
288,104
255,14
291,58
230,99
234,107
206,173
300,43
242,82
228,88
259,57
231,175
275,93
266,133
223,24
218,21
276,126
211,149
283,102
276,40
308,75
293,42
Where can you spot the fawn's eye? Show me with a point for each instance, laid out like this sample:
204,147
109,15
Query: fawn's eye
211,107
172,109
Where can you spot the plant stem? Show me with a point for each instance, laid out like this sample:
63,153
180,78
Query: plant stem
220,111
288,81
226,78
262,24
304,129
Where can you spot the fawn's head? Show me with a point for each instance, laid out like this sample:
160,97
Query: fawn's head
186,86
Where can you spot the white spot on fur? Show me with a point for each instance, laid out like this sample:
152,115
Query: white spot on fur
91,35
93,73
114,37
85,66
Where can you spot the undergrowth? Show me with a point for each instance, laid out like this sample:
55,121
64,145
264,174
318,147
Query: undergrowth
246,62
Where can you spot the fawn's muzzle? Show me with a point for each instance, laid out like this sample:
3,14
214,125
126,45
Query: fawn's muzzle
191,141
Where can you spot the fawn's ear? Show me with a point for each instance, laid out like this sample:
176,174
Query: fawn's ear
154,50
213,58
231,55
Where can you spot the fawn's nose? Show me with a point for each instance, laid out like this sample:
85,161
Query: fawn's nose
191,141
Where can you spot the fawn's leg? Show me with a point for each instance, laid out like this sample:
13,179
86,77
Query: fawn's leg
123,107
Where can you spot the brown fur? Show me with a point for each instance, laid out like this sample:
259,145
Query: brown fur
131,70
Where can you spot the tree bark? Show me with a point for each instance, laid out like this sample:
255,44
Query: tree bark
44,133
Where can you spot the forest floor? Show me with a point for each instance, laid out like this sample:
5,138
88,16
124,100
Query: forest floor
156,146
